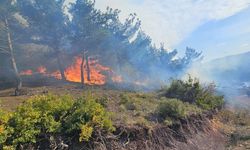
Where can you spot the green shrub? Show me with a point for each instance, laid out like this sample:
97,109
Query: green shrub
103,101
187,91
210,102
40,115
87,115
168,121
124,98
46,115
130,103
4,130
86,132
192,91
175,109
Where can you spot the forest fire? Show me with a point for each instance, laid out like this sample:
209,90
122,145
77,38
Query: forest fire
93,72
26,72
41,70
92,75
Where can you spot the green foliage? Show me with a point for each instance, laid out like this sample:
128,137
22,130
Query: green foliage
87,115
187,91
100,33
210,102
103,101
193,92
135,108
86,132
175,109
42,116
168,121
138,102
128,102
4,130
39,115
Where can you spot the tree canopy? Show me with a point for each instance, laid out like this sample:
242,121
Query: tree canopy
53,37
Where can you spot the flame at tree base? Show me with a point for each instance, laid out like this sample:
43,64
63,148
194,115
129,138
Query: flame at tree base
72,73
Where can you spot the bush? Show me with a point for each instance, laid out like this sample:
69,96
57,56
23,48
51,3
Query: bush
130,103
175,109
46,115
4,130
39,115
186,91
86,116
193,92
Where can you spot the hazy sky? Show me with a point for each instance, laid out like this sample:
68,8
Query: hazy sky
217,27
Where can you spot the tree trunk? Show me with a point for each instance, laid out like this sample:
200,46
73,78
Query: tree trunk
82,70
88,68
13,60
60,66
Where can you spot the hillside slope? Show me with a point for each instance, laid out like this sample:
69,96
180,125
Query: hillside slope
136,127
230,69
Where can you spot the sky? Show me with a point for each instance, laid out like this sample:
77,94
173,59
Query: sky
220,38
216,27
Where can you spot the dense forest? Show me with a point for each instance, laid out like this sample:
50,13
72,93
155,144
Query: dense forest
51,34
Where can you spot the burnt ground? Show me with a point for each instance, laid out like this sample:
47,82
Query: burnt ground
196,132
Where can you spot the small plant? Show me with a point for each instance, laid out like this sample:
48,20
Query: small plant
128,102
103,101
175,109
168,121
124,98
4,129
86,132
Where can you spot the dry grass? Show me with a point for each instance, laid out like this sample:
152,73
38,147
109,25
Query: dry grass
131,108
236,125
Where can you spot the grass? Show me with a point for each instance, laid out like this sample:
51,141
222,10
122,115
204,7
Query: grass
133,108
236,125
137,107
86,111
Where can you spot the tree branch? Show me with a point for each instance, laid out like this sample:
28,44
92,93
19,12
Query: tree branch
3,51
3,28
1,47
3,40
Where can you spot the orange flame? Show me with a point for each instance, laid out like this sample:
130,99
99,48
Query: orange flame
41,70
73,72
56,75
26,72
